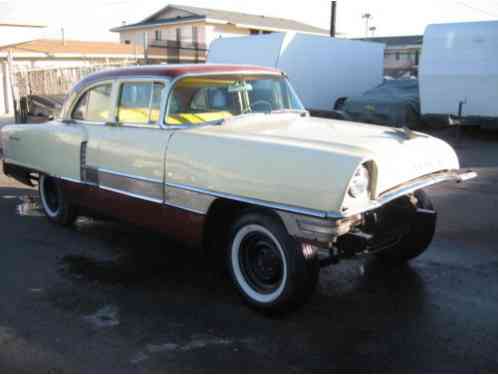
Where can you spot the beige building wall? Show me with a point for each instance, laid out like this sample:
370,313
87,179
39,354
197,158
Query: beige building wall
207,33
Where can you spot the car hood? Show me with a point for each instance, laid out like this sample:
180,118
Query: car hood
398,156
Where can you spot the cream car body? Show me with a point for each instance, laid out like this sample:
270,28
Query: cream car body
179,177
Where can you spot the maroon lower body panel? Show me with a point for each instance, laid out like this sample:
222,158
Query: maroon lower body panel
181,225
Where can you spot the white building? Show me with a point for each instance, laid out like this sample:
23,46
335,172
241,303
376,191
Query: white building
184,30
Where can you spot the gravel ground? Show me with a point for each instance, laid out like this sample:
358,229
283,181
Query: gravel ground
104,297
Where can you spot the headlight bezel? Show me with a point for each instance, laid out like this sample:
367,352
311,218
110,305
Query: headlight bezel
360,186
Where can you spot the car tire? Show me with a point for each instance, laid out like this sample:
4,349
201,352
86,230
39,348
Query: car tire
268,266
54,204
419,237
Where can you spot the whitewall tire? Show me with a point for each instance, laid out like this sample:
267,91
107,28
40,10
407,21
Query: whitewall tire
53,201
267,266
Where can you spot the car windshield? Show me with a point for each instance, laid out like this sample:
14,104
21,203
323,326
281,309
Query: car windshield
198,100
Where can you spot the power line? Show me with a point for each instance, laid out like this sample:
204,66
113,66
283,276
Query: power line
477,9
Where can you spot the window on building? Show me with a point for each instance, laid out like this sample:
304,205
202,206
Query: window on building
140,103
398,56
95,105
158,34
170,34
127,42
178,34
187,34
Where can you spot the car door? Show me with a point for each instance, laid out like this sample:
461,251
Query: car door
132,147
93,110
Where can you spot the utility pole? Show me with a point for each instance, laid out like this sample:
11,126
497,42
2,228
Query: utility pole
146,48
367,17
333,18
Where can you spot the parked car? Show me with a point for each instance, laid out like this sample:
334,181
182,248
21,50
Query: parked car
225,157
396,102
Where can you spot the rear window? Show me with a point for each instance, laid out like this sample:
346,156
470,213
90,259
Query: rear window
140,103
95,105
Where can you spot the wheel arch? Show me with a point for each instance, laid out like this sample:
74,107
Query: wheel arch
221,215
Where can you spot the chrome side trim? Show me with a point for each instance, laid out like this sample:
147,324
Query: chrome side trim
169,204
192,201
92,176
323,231
139,187
138,196
134,177
258,202
73,180
83,149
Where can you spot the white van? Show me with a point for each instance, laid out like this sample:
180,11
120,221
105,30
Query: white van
459,68
321,69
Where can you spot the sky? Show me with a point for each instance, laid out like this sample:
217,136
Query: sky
92,19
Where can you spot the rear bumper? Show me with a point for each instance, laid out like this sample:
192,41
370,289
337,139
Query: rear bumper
21,174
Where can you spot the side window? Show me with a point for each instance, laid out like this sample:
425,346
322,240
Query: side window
140,103
155,108
95,105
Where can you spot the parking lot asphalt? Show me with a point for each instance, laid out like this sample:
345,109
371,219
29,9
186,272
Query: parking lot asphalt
108,297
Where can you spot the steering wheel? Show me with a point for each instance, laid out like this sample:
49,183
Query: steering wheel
262,102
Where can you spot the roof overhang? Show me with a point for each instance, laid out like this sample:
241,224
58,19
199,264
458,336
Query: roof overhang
166,22
22,25
73,56
266,28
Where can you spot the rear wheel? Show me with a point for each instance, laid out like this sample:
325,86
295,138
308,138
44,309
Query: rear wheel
268,267
422,227
54,204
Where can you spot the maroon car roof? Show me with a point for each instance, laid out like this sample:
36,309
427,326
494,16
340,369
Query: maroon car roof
172,71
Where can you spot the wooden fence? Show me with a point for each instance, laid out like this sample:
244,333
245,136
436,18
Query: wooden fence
50,82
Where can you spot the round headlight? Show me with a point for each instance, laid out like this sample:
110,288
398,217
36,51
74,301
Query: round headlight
360,183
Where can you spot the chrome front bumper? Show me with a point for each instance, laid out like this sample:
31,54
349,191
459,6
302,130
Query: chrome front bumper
411,187
326,230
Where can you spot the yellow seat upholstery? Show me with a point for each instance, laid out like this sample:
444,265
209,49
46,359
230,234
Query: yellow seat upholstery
196,118
137,115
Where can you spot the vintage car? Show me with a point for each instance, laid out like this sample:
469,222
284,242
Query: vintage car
225,158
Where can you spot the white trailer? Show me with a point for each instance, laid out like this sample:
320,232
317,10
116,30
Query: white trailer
459,67
321,69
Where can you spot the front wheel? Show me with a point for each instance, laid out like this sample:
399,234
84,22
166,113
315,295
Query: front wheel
54,204
268,266
422,227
